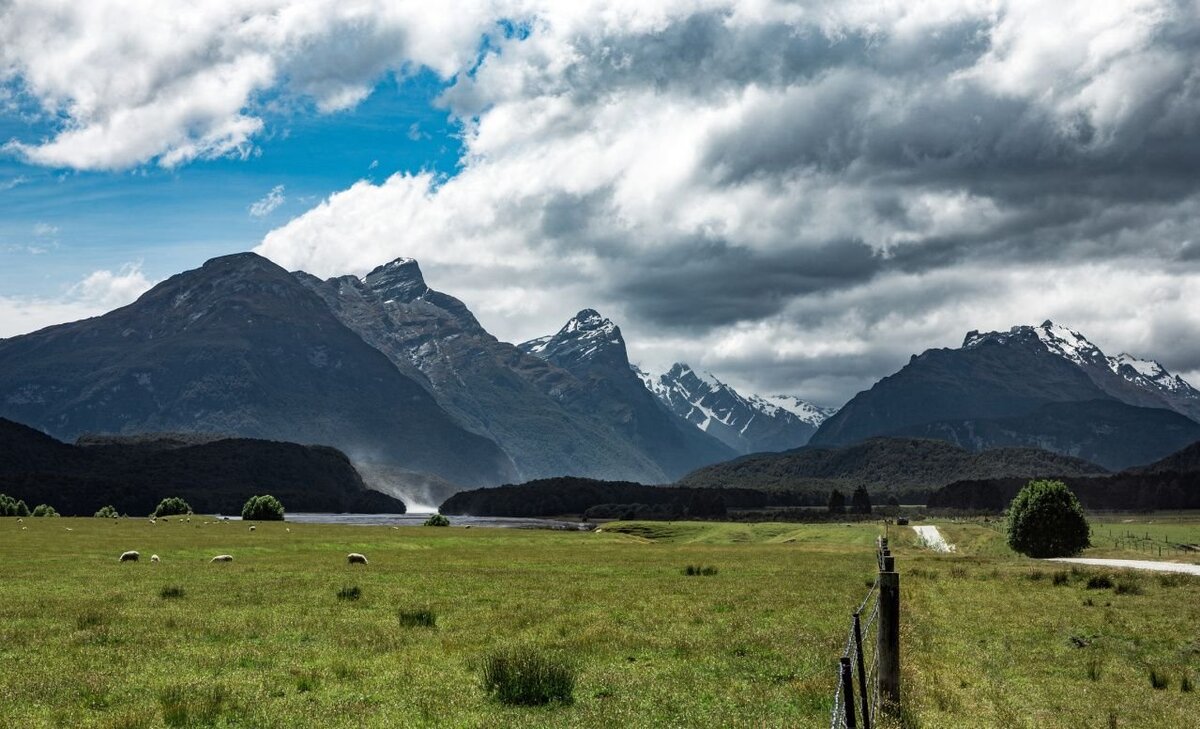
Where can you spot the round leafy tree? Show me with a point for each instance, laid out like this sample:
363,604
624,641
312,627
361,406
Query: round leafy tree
437,520
107,512
263,508
172,506
1046,520
44,510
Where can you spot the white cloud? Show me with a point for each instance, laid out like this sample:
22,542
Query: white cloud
45,230
138,84
94,294
268,203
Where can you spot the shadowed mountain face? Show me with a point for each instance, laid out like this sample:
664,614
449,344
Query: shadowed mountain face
888,463
535,411
1043,386
214,475
747,424
238,346
590,347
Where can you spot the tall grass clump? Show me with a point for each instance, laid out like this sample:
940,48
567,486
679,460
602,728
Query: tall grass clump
349,593
1099,582
171,592
1128,587
699,571
193,706
527,677
418,618
1061,578
1185,685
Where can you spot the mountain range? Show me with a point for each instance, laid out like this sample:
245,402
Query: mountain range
1046,387
425,401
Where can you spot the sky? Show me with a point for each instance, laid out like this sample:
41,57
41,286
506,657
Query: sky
796,196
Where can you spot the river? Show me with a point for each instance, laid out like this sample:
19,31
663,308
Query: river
418,518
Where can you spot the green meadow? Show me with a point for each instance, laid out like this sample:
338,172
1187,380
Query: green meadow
290,635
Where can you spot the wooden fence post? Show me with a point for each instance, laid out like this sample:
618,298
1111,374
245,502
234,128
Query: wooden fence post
889,636
848,693
864,696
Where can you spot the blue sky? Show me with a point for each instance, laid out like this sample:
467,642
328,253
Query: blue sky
58,225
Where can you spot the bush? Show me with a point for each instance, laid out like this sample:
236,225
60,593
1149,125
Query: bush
697,570
106,512
349,593
1099,582
419,618
1062,578
172,506
1128,587
44,510
1158,680
11,507
262,508
837,502
523,676
437,520
1046,520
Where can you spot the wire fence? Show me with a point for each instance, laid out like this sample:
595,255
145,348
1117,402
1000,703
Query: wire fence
856,697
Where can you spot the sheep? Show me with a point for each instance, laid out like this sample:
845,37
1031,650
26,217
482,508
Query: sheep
20,521
221,558
130,556
288,530
355,558
251,527
154,558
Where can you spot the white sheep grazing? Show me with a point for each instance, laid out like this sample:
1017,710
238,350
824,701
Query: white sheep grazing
221,558
130,556
251,527
20,521
154,558
356,558
288,530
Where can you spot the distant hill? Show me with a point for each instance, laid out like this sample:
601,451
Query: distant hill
213,477
559,496
1171,483
1044,386
883,465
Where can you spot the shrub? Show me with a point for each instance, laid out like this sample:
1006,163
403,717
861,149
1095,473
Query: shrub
12,507
1128,587
524,676
697,570
349,593
1185,685
172,506
1061,578
262,508
173,592
437,520
418,618
1099,582
44,510
106,512
1046,520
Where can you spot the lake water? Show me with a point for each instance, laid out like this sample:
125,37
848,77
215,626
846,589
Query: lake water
418,518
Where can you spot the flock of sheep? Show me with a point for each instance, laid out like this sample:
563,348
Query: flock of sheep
134,556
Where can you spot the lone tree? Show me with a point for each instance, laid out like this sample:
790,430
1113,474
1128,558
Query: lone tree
44,510
172,506
837,502
860,501
437,520
1046,520
262,508
107,512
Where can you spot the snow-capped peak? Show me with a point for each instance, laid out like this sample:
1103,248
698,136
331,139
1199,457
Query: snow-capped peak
1131,368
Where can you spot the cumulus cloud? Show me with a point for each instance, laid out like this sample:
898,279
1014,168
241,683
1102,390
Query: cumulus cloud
94,294
796,195
137,85
267,204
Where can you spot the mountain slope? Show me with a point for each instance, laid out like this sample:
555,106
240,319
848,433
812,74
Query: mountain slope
213,477
745,424
884,463
237,346
590,347
1038,386
489,386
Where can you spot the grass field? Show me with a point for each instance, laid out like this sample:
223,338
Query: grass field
266,642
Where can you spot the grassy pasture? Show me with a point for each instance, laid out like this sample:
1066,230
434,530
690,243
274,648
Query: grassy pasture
265,641
989,639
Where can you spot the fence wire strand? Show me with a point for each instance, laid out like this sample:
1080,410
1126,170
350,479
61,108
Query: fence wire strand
870,655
